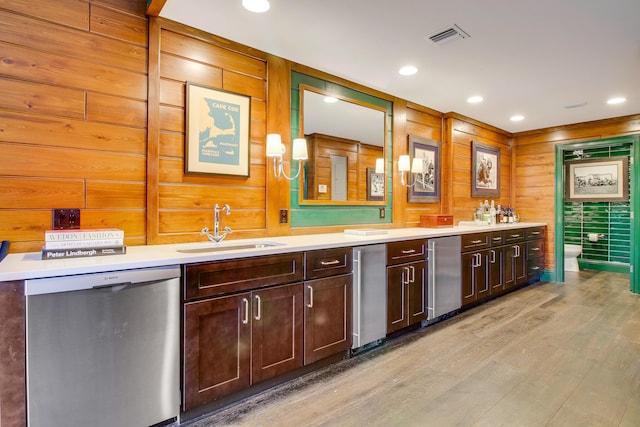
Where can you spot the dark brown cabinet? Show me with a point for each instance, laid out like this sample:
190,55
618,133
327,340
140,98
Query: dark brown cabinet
535,252
327,317
233,340
515,261
496,263
406,284
327,296
475,268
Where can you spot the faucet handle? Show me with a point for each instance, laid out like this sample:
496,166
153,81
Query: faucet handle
204,231
228,230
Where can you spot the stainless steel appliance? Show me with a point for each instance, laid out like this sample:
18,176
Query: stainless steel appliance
103,349
369,294
444,269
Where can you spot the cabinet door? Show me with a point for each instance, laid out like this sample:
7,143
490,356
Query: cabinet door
327,317
417,293
277,320
481,276
396,298
521,264
217,345
515,262
469,293
475,283
496,275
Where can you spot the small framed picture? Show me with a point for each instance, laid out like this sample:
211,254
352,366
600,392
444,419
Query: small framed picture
427,183
375,185
217,131
485,170
597,180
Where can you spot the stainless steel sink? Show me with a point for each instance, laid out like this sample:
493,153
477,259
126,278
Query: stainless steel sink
204,249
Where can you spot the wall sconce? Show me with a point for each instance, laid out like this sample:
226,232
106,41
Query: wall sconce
276,149
403,166
380,165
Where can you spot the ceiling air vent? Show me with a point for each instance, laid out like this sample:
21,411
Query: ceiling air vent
447,35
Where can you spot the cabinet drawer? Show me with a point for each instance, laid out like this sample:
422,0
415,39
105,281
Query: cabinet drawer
512,236
406,251
535,249
535,268
224,277
497,238
534,233
328,262
471,242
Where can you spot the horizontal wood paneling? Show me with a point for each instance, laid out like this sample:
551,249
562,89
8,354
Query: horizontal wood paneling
424,123
70,163
112,109
72,13
42,99
185,201
41,66
115,195
118,25
57,132
19,30
34,193
73,116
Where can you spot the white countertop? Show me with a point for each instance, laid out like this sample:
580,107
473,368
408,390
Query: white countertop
30,265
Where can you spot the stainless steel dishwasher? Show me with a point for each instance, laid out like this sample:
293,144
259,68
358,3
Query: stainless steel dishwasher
103,349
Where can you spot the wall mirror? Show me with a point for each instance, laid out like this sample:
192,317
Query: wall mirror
346,140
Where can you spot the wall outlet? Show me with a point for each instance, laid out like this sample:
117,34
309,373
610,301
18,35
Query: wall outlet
65,219
284,216
381,213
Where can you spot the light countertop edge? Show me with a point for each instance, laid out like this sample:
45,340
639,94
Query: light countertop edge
30,265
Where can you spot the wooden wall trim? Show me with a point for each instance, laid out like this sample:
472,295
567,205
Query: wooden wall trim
474,122
278,121
400,147
303,69
155,7
631,123
153,132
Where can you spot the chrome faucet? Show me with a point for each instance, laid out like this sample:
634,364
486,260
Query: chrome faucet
216,237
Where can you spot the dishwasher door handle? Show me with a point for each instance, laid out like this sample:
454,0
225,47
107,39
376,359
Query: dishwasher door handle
115,287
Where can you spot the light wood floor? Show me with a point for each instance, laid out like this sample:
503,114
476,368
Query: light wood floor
551,354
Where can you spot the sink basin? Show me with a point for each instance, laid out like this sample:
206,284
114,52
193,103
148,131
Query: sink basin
240,246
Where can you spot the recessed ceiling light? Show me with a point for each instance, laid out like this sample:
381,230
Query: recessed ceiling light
330,99
408,70
475,99
618,100
517,117
257,6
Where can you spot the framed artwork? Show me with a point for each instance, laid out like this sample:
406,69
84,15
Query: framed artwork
427,183
597,180
485,170
375,185
217,131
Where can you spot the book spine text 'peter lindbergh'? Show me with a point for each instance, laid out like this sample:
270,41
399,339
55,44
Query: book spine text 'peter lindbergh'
82,252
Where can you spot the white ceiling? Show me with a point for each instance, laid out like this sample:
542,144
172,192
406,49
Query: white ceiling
524,57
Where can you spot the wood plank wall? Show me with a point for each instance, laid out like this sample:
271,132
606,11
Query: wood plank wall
535,167
72,116
462,131
413,119
185,201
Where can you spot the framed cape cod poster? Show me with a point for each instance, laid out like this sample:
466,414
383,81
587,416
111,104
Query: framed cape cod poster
217,131
485,170
597,180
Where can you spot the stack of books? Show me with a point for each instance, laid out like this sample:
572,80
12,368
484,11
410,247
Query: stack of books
83,243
